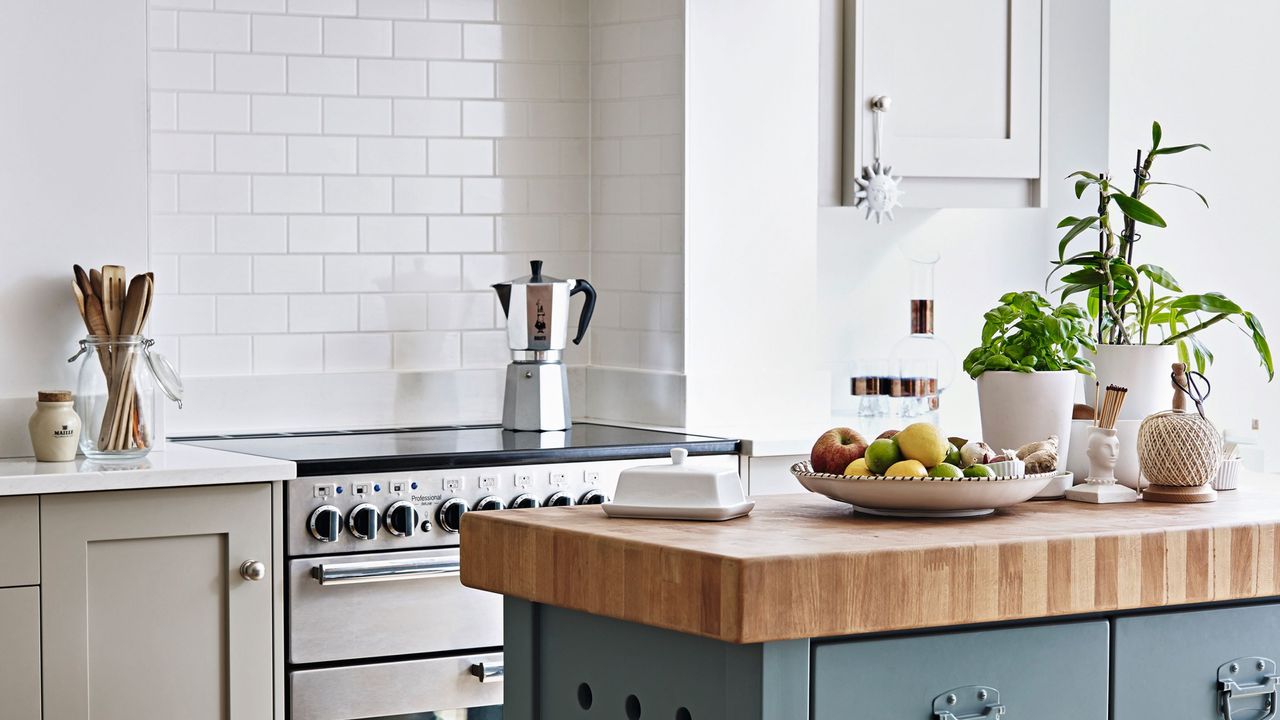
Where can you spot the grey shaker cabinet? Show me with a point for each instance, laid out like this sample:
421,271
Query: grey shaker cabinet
145,613
20,653
1166,665
1047,672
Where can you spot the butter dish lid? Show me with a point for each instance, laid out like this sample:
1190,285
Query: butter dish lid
679,490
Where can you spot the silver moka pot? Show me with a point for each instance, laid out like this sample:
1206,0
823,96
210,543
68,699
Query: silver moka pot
537,310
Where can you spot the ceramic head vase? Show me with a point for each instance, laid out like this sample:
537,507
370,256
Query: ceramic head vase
1103,452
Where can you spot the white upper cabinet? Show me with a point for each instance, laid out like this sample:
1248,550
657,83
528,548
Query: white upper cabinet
966,82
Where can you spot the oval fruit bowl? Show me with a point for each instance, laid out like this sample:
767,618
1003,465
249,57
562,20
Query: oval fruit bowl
922,496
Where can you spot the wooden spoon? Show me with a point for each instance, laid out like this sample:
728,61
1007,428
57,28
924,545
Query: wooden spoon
120,404
113,296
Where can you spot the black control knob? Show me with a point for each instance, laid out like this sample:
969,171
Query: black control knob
491,502
325,523
593,497
558,499
525,501
362,521
402,519
450,514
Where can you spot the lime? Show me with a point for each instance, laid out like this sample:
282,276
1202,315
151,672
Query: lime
881,454
907,468
946,470
953,455
979,470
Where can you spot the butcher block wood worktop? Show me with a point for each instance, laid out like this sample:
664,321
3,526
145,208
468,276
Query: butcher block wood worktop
804,566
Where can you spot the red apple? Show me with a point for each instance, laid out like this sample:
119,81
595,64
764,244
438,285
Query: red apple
836,449
887,434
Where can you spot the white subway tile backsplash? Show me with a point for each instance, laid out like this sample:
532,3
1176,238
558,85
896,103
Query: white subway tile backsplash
163,193
322,7
428,195
528,157
276,194
288,273
357,195
428,40
180,71
357,116
401,312
480,272
461,234
251,234
428,273
267,6
183,315
401,78
189,153
485,349
411,9
322,76
461,79
249,73
491,118
182,234
361,38
529,12
389,234
393,156
162,111
323,313
250,153
322,234
528,81
491,196
460,157
551,43
277,34
358,273
427,350
322,155
162,30
218,113
183,4
528,233
215,274
253,314
357,352
300,115
462,9
460,311
429,118
288,354
212,355
495,42
213,31
213,193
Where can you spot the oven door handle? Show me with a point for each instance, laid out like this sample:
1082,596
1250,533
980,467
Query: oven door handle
387,570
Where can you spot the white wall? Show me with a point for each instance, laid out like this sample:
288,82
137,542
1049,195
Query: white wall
1207,72
863,275
73,180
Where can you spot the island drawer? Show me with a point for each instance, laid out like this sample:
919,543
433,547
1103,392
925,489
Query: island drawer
19,541
1049,672
1167,664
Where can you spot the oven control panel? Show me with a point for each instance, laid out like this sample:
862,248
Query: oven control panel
403,510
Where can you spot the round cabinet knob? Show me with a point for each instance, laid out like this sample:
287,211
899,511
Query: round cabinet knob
525,501
326,523
558,499
253,570
593,497
492,502
401,519
450,514
363,521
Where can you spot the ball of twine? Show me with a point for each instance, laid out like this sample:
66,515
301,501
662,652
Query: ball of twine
1179,448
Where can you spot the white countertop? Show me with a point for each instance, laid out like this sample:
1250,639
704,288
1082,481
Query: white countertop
177,465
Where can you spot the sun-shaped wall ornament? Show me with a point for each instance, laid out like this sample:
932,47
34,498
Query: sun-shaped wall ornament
878,190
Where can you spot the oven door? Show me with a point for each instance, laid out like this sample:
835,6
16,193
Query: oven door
380,605
460,687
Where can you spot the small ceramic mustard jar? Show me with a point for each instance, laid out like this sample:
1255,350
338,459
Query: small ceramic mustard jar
55,427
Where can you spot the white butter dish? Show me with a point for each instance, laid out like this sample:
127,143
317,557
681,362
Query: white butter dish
678,492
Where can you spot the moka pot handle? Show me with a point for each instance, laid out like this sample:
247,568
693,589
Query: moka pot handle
587,308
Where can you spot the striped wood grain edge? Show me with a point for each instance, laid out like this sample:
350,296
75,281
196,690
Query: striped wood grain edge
802,566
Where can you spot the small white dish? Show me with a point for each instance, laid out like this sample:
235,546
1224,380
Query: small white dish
1228,476
678,491
1008,468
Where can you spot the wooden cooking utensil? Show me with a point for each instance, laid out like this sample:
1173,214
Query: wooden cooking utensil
94,319
113,296
120,404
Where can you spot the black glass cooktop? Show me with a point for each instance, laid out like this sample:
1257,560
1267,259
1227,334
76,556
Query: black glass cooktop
361,451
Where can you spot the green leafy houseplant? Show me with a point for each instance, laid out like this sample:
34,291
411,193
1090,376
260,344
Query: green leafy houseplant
1025,333
1143,304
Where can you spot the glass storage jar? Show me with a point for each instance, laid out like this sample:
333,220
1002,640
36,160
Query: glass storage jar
115,395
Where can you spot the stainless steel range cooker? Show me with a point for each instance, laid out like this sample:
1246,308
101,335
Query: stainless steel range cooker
378,625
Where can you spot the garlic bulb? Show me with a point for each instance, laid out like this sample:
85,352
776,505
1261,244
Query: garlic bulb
975,452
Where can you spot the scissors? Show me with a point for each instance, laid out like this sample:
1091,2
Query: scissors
1193,388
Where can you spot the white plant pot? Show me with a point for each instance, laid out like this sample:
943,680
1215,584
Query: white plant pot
1144,369
1018,408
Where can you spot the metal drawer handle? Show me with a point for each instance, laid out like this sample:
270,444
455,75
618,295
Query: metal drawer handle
1248,677
971,702
386,570
489,672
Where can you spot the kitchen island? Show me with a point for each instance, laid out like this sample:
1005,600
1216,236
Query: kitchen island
1049,610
